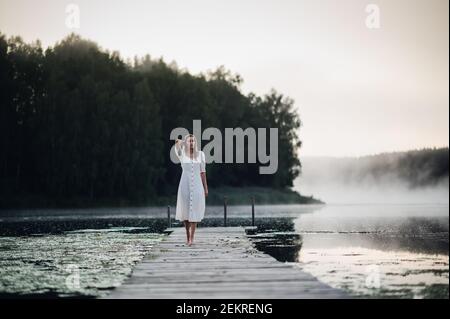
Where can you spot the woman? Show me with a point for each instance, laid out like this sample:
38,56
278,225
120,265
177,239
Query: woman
193,188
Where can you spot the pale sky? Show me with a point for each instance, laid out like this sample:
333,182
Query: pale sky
358,91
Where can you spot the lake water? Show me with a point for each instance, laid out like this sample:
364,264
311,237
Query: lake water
386,251
382,251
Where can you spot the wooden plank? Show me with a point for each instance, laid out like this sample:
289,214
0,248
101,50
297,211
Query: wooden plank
223,263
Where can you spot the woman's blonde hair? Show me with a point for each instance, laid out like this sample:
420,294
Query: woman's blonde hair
186,147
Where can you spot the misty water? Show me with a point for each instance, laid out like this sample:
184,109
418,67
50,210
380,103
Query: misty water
375,250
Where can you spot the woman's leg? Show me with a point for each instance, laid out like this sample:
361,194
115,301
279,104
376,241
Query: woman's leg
193,225
187,226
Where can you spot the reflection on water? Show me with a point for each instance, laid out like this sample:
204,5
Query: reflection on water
380,251
283,246
368,250
377,273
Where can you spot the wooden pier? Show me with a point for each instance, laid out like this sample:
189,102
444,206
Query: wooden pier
222,263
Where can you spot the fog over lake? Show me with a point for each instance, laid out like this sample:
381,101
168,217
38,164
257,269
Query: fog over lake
344,181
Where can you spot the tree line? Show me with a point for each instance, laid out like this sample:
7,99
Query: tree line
415,169
77,121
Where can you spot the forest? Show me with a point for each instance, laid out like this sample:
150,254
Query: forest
414,170
81,125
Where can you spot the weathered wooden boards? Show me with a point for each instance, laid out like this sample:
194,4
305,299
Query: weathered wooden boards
222,263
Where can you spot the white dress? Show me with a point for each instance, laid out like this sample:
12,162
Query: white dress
191,195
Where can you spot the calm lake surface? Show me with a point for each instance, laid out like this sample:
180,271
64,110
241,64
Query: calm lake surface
382,251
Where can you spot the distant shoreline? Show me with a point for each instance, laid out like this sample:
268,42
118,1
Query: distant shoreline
235,196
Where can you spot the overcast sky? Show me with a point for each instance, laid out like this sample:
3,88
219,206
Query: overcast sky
358,90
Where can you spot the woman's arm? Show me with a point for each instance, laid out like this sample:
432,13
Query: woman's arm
203,173
178,148
205,185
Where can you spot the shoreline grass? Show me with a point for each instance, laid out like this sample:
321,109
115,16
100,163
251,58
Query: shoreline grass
235,196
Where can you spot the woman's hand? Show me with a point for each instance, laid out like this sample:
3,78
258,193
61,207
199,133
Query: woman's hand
178,145
206,192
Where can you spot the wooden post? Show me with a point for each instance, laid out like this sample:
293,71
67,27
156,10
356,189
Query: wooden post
253,211
225,211
169,223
